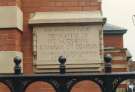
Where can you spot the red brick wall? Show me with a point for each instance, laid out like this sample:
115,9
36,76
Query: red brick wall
10,3
10,40
60,5
118,52
86,86
113,41
40,86
4,88
7,2
83,86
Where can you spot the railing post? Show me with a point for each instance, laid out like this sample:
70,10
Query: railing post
108,84
62,61
17,83
17,68
108,63
108,80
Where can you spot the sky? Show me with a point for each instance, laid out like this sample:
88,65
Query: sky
120,13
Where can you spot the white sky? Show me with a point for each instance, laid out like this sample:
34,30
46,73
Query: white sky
120,12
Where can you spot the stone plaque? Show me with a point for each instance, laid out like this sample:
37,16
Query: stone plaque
79,44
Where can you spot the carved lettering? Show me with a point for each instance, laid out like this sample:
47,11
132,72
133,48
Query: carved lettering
78,44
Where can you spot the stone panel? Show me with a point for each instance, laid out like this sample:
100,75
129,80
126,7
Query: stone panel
6,61
81,45
11,17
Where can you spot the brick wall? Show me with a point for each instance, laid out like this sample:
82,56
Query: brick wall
7,2
113,41
40,86
10,3
83,86
86,86
4,88
60,5
119,60
115,45
10,40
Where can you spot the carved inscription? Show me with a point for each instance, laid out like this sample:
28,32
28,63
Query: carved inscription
80,44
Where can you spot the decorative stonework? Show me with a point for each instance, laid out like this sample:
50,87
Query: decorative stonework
11,17
80,42
67,17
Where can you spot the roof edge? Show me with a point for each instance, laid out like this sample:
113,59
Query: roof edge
115,32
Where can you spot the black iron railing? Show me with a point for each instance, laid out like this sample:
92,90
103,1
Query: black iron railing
64,82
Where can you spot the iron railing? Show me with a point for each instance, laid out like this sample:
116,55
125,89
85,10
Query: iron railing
64,82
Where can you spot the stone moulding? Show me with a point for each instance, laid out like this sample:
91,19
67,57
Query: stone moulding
67,17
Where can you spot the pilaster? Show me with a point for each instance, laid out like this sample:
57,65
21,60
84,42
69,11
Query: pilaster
11,27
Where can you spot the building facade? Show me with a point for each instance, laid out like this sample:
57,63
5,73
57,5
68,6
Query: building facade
22,25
